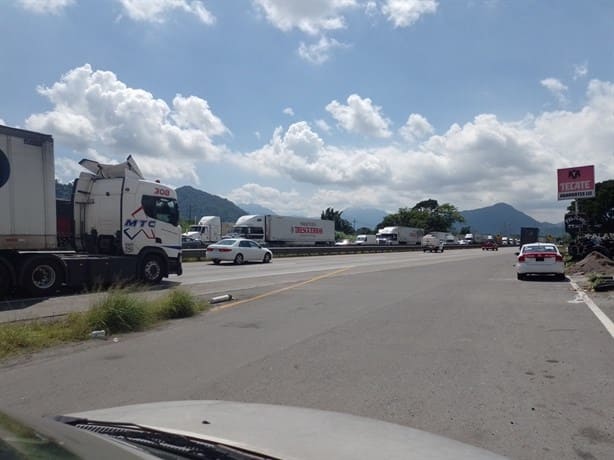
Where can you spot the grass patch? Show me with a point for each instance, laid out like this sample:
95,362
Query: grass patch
179,304
118,311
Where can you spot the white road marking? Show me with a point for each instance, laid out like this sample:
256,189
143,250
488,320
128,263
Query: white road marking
601,316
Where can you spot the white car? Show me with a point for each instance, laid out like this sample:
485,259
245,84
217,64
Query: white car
540,259
238,250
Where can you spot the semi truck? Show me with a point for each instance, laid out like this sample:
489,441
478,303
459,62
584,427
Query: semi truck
285,230
117,226
529,235
399,235
208,229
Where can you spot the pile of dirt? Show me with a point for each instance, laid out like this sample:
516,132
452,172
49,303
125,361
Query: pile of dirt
595,262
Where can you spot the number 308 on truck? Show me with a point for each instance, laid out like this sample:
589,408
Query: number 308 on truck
117,226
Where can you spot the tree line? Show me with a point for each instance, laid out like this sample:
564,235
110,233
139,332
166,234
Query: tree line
428,215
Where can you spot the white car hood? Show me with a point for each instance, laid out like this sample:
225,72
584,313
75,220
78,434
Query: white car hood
290,432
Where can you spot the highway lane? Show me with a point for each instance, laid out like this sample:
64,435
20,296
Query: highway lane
206,279
456,346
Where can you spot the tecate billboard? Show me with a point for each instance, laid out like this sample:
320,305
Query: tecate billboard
577,182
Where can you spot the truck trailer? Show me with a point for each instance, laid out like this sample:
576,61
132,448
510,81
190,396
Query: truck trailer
117,226
399,235
285,230
208,229
529,235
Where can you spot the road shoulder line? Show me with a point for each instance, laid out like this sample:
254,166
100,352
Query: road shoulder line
601,316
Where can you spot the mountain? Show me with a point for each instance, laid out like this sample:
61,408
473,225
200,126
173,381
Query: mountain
253,208
503,219
364,217
193,204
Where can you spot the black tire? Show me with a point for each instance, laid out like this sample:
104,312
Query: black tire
152,270
267,258
5,281
216,261
239,259
520,276
42,276
560,276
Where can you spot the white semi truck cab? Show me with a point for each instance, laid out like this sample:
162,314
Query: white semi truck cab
117,226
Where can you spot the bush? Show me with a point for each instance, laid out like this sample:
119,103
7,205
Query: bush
119,312
179,304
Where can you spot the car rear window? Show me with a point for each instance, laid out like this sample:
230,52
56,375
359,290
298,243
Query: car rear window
226,242
543,248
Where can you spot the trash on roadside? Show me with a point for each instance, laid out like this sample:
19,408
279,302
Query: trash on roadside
221,298
115,340
101,334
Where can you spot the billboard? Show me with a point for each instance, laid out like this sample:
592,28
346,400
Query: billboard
577,182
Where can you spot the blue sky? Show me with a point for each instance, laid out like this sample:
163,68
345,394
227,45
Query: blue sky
302,105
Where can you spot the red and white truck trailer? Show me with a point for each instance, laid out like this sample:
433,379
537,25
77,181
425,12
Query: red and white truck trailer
285,230
116,227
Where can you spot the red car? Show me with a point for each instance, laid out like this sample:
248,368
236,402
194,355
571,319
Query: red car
490,245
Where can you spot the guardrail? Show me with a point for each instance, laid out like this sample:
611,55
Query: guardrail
290,251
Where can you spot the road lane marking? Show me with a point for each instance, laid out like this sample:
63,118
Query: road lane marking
277,291
601,316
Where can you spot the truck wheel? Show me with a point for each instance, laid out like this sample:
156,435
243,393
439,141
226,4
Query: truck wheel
239,259
42,276
151,269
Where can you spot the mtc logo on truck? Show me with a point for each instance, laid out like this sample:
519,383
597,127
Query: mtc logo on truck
137,223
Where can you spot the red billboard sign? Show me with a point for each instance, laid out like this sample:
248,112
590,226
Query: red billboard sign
577,182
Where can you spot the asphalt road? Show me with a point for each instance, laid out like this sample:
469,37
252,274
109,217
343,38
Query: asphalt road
450,343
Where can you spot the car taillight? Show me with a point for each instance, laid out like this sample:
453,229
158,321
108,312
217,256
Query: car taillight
559,258
224,250
210,249
520,258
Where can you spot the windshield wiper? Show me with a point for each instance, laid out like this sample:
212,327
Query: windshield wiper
183,446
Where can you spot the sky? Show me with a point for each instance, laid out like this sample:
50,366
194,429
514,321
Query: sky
301,105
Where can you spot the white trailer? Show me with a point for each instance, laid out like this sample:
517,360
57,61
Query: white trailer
208,229
285,230
365,240
399,235
117,226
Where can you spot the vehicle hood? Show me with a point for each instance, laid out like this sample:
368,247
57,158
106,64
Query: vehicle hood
289,432
191,234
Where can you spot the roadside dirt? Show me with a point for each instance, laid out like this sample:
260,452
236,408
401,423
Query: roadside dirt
582,271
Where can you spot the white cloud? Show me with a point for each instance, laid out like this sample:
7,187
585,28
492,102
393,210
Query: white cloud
557,88
45,6
360,116
309,16
323,126
94,110
580,71
320,51
416,127
288,111
302,155
404,13
157,10
268,197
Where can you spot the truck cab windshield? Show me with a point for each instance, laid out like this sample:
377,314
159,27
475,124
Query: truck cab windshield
163,209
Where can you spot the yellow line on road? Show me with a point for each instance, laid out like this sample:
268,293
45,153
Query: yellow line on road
277,291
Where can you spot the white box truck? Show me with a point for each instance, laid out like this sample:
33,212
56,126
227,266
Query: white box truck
365,240
208,229
399,235
285,230
117,226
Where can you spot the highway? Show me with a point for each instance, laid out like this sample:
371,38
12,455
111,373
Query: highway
450,343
